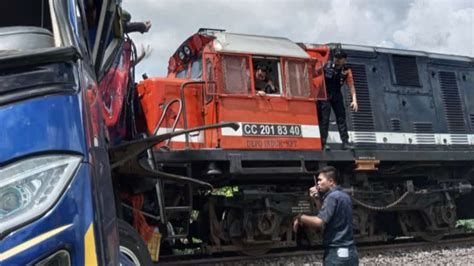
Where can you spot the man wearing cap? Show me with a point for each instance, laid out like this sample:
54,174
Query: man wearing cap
334,218
336,74
263,84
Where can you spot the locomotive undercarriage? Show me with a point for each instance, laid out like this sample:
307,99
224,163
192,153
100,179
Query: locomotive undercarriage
399,199
257,225
254,220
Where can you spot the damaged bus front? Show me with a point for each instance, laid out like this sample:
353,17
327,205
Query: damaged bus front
55,185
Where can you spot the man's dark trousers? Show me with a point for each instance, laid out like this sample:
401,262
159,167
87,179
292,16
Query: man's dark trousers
336,102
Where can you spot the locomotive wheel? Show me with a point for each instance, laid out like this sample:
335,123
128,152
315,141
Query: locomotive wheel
232,217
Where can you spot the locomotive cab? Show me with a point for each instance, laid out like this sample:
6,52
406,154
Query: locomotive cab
284,118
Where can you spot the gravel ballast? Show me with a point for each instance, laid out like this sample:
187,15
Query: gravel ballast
432,255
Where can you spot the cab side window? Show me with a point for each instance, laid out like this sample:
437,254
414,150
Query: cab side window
267,75
297,79
236,74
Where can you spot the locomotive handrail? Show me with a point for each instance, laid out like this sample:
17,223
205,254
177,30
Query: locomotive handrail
165,110
124,152
183,104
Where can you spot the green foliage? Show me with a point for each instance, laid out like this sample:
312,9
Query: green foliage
225,191
467,224
186,251
194,215
196,240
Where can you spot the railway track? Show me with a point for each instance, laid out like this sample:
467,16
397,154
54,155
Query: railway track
400,244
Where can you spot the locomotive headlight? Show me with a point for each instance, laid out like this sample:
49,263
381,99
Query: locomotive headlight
181,55
30,187
187,50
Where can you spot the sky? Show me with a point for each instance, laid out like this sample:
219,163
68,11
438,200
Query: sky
439,26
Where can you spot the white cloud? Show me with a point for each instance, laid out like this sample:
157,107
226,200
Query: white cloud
444,26
438,26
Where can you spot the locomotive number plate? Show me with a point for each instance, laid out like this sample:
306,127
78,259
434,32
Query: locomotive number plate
271,130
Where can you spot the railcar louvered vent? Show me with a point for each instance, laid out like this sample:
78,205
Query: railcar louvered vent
360,54
447,62
453,108
424,133
396,124
423,127
363,120
406,70
452,102
472,121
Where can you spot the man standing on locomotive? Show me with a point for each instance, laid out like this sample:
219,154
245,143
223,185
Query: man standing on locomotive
336,74
334,218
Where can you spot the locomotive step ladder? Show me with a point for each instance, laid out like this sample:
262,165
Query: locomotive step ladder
171,205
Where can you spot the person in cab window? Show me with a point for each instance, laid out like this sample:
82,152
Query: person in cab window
336,74
334,218
263,84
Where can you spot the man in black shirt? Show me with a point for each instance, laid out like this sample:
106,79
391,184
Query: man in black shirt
334,217
336,74
263,84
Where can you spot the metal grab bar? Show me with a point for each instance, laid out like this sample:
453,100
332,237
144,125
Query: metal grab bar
165,110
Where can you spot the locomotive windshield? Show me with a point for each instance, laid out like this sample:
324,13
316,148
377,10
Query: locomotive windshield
196,68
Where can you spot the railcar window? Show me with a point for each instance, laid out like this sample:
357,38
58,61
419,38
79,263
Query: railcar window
236,75
297,79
